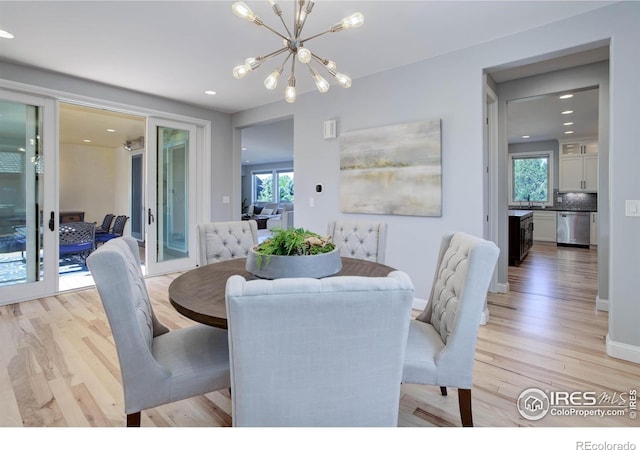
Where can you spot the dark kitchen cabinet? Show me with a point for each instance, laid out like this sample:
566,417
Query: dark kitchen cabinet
520,235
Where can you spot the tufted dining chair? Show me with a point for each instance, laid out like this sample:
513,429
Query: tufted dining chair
219,241
157,366
362,240
302,353
442,339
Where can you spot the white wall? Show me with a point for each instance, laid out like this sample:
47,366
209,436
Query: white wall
450,87
86,180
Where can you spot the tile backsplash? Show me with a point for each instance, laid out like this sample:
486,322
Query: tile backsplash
575,200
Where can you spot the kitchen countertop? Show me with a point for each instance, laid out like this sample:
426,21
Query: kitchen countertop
550,208
519,212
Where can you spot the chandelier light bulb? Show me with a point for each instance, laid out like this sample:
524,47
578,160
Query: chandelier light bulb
321,83
331,65
241,10
241,70
271,82
353,21
343,80
304,55
290,91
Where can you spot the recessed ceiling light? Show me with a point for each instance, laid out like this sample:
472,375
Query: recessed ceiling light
247,161
566,124
111,130
568,132
526,136
86,140
210,92
22,149
567,112
6,34
244,148
566,96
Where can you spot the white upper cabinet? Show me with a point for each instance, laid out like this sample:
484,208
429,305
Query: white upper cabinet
578,166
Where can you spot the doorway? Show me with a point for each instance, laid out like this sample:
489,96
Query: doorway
576,72
267,173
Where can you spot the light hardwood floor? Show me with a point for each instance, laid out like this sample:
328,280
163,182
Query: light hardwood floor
58,365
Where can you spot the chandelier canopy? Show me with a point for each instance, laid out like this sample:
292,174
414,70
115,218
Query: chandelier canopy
295,48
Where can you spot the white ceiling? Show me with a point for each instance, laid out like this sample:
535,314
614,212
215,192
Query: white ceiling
179,49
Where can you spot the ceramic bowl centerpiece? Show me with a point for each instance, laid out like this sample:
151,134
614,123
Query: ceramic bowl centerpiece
294,253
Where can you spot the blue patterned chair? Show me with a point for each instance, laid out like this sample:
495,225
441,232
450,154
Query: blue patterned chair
77,239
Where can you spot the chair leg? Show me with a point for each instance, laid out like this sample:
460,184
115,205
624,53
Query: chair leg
443,390
133,420
464,401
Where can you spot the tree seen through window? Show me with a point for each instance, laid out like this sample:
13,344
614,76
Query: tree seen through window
531,179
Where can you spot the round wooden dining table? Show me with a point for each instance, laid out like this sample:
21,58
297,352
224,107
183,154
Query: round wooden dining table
199,294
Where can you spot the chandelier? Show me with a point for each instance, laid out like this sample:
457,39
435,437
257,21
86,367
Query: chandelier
295,48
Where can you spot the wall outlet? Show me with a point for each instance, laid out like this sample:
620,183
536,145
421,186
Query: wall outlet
559,199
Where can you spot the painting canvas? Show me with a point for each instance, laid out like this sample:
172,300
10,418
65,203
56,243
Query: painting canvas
394,169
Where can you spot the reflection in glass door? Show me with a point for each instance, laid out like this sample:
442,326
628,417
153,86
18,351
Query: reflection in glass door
171,205
24,210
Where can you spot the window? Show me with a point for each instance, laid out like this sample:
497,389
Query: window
264,182
531,178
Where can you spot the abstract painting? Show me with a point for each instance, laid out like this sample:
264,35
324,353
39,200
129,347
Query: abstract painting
394,169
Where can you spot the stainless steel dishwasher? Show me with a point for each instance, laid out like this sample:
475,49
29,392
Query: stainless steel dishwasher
573,228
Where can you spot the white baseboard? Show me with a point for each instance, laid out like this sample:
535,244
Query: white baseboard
602,304
419,303
502,288
621,350
485,316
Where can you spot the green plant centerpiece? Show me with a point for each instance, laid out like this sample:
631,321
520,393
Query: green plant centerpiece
294,253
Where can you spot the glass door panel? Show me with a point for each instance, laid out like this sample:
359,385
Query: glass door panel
171,206
25,198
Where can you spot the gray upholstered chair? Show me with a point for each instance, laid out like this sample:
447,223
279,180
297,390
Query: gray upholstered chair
303,353
219,241
442,339
157,366
284,220
362,240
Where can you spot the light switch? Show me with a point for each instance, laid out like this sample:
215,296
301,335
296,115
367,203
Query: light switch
226,199
312,202
632,208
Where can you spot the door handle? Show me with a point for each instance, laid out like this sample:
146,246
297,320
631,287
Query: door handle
151,218
52,222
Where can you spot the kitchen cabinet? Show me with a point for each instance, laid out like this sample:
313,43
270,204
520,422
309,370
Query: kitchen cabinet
579,166
520,235
593,230
544,226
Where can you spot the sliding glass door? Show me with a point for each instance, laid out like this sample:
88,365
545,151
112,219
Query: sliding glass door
171,200
27,188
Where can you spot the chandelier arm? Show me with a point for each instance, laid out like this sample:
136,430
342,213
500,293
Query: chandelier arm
306,15
293,65
315,36
272,54
297,15
276,32
285,26
323,61
285,60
